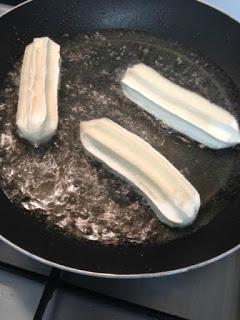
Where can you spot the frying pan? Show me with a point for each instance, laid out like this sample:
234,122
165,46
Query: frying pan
191,24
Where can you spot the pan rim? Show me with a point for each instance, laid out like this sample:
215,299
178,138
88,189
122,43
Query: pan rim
15,7
26,2
146,275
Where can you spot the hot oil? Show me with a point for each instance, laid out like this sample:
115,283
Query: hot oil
75,193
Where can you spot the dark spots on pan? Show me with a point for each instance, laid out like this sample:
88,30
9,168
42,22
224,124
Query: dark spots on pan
76,194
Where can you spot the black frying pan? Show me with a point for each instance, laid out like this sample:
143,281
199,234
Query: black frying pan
214,38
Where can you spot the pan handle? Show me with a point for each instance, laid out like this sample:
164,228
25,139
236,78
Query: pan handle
9,5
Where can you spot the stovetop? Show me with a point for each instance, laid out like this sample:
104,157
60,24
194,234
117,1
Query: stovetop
31,290
208,293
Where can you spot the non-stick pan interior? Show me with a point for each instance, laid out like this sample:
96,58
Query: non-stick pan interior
79,197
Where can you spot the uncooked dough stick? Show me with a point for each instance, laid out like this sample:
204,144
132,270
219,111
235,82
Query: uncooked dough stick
37,113
174,200
183,110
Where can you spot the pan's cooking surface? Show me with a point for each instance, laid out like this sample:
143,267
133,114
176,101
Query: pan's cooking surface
79,196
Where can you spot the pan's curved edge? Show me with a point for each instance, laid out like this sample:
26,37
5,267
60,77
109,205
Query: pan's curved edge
119,276
15,7
218,8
